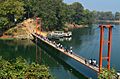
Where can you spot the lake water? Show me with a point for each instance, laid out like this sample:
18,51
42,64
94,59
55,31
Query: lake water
10,49
85,42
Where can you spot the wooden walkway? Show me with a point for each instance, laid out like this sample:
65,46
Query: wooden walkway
73,55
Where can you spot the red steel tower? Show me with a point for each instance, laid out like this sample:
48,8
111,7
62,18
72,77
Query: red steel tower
101,58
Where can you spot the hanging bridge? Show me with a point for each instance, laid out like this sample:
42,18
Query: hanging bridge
72,55
62,50
76,57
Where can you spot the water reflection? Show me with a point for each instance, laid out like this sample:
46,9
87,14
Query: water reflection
65,39
69,69
62,39
85,42
26,49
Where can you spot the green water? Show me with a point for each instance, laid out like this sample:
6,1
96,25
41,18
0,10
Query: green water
85,42
10,49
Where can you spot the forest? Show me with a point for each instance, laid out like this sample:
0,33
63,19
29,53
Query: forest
54,13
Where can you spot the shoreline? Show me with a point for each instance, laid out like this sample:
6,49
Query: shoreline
5,37
73,26
22,32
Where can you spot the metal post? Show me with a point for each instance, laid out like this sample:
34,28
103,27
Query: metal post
109,46
36,39
36,23
40,56
101,47
40,26
36,52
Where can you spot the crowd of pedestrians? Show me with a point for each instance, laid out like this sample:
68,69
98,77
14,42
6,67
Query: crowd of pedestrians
92,62
57,45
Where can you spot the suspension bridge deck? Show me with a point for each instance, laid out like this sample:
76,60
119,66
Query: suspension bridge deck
73,55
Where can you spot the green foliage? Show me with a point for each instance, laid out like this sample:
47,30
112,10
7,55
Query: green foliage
22,70
3,21
104,16
76,13
10,10
97,15
108,74
88,17
51,12
117,16
28,8
54,13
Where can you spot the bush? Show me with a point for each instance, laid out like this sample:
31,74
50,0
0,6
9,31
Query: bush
20,69
108,74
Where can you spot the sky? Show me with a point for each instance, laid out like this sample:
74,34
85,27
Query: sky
99,5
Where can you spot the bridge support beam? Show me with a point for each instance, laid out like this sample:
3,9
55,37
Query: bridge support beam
38,24
101,58
101,47
109,46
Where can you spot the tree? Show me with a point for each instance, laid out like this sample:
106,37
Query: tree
28,8
51,12
105,16
54,13
20,69
78,15
10,10
77,12
117,16
88,17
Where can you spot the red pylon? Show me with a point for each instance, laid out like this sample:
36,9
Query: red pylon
38,24
101,58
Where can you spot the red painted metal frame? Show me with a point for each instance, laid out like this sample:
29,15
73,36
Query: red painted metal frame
37,24
101,46
109,45
101,58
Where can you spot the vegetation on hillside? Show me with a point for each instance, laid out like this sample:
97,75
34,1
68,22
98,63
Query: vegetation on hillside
10,12
20,69
54,13
106,15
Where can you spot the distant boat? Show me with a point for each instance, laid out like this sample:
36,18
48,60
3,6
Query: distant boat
59,34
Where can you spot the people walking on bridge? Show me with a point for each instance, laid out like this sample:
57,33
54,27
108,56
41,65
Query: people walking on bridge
65,49
90,61
61,46
86,61
58,45
71,50
54,42
94,62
